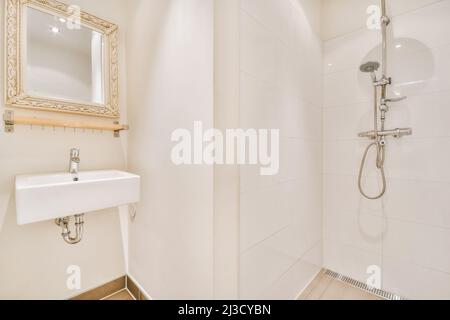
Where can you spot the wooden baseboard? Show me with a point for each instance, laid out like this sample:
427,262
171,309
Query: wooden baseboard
135,291
111,288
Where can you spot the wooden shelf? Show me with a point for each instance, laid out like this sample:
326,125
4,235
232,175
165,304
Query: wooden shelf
11,120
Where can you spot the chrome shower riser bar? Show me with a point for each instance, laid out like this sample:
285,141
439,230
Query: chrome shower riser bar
381,103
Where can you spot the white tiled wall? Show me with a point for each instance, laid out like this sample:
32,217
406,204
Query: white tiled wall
171,243
280,87
407,233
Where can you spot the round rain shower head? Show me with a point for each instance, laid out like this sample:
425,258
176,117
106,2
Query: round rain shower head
370,67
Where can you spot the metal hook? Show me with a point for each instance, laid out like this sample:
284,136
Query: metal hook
133,213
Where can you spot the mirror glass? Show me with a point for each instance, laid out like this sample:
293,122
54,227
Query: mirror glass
63,60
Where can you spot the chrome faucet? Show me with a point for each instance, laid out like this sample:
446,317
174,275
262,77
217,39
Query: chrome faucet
74,163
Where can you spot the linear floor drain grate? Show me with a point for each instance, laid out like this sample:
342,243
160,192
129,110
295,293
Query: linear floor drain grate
360,285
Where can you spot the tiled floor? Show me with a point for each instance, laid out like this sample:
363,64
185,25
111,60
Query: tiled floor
121,295
325,287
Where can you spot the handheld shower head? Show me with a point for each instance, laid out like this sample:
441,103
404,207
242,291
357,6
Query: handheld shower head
370,67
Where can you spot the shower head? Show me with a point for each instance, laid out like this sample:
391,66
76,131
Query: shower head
370,67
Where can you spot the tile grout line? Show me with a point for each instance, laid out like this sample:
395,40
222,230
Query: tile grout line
364,101
349,68
308,289
328,285
338,174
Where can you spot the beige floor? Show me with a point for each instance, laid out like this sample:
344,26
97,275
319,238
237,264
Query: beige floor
327,288
121,295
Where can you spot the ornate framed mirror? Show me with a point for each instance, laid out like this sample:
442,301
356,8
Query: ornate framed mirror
60,58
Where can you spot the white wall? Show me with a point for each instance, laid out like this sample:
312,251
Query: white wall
407,233
171,85
280,87
34,258
226,178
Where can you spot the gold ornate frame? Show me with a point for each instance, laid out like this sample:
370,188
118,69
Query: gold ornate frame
15,95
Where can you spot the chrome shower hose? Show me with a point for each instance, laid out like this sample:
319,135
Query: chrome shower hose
380,166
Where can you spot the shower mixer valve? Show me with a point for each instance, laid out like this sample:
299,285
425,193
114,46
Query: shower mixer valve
396,133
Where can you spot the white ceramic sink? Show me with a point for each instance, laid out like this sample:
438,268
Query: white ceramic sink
47,197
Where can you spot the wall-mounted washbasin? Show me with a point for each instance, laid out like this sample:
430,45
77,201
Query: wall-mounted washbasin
47,197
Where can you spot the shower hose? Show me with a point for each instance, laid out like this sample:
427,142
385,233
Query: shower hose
380,165
379,144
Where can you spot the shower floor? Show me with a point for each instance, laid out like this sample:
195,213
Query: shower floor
324,287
